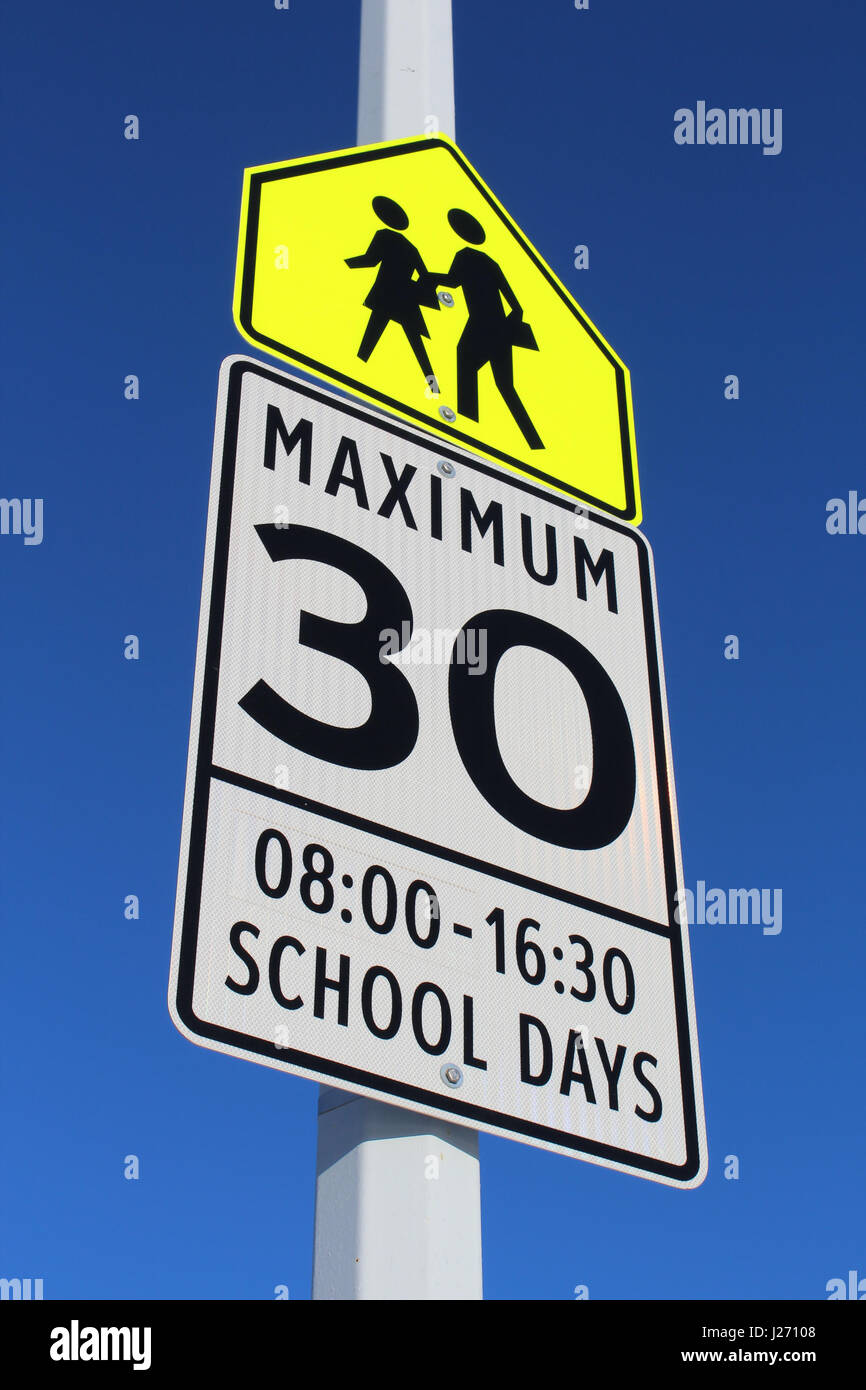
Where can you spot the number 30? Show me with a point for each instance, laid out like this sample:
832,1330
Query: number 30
391,730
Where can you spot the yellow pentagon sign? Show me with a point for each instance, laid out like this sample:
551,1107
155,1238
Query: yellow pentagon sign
393,271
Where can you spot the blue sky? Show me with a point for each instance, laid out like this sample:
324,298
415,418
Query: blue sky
704,261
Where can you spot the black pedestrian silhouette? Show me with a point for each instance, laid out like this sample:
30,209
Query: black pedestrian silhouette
490,334
396,296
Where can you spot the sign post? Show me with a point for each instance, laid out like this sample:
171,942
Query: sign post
398,1195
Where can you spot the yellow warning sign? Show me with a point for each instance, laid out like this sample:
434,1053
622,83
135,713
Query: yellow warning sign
394,271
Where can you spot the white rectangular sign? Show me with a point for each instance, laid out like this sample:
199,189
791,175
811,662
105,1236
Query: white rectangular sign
430,849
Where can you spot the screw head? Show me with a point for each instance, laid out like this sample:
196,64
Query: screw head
446,298
451,1074
446,469
447,413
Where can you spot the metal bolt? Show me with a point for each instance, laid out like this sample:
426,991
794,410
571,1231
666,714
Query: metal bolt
446,469
451,1074
446,298
447,413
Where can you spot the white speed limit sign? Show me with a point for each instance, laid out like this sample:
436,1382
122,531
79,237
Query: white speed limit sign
430,848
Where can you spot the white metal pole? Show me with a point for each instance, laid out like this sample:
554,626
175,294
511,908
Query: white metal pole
398,1194
398,1205
406,77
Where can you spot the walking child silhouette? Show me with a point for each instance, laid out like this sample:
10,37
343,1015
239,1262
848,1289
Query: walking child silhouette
490,334
396,296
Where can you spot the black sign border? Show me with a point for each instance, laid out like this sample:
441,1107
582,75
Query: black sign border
245,319
205,772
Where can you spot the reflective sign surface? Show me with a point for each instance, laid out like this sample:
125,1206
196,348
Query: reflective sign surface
395,271
430,844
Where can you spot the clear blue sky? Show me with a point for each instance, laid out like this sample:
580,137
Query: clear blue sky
703,262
